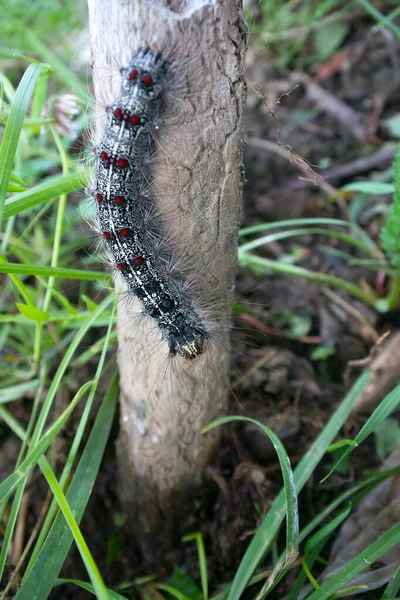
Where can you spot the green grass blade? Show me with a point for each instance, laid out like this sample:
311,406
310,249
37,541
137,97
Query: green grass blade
172,591
55,549
383,410
355,493
271,524
15,392
260,227
11,521
281,235
87,586
91,567
289,501
13,268
52,187
57,380
325,531
198,537
358,564
392,587
75,444
13,127
33,456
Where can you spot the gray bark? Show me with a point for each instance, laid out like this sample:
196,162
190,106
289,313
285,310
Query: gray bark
198,177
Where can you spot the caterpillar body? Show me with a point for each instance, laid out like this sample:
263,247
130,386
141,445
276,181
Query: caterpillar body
120,188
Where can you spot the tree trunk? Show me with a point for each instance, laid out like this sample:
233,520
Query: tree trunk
198,173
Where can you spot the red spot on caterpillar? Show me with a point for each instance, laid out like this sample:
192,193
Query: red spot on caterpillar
103,156
107,235
119,200
125,232
147,79
133,74
121,266
94,149
99,197
138,260
122,163
111,160
135,120
107,109
117,112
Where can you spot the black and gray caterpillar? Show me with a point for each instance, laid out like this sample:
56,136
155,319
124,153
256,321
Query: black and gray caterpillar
120,188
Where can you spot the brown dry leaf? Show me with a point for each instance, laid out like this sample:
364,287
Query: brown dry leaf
375,514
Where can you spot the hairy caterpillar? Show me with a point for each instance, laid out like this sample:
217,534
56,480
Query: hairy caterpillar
120,188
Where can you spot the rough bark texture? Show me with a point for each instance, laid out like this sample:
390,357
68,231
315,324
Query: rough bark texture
197,171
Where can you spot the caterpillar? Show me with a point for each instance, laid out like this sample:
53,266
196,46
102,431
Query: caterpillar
121,190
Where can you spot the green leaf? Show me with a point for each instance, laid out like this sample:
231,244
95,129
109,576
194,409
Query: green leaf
340,444
390,233
325,531
10,483
15,392
328,39
198,537
369,187
287,507
90,305
41,193
58,542
393,125
183,583
13,127
392,587
37,270
387,437
362,561
269,528
88,586
32,313
383,410
323,352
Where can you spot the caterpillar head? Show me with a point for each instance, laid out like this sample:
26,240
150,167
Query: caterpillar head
146,73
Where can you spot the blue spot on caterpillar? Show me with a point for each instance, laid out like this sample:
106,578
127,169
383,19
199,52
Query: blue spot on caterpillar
124,147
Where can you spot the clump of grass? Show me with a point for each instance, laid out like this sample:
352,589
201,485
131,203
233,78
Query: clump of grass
390,233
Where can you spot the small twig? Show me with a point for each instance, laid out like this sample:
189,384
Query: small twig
288,154
364,362
379,160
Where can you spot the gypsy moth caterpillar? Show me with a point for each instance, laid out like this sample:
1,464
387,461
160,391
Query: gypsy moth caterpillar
123,148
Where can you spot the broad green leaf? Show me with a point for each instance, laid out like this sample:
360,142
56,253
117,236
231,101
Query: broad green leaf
32,313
